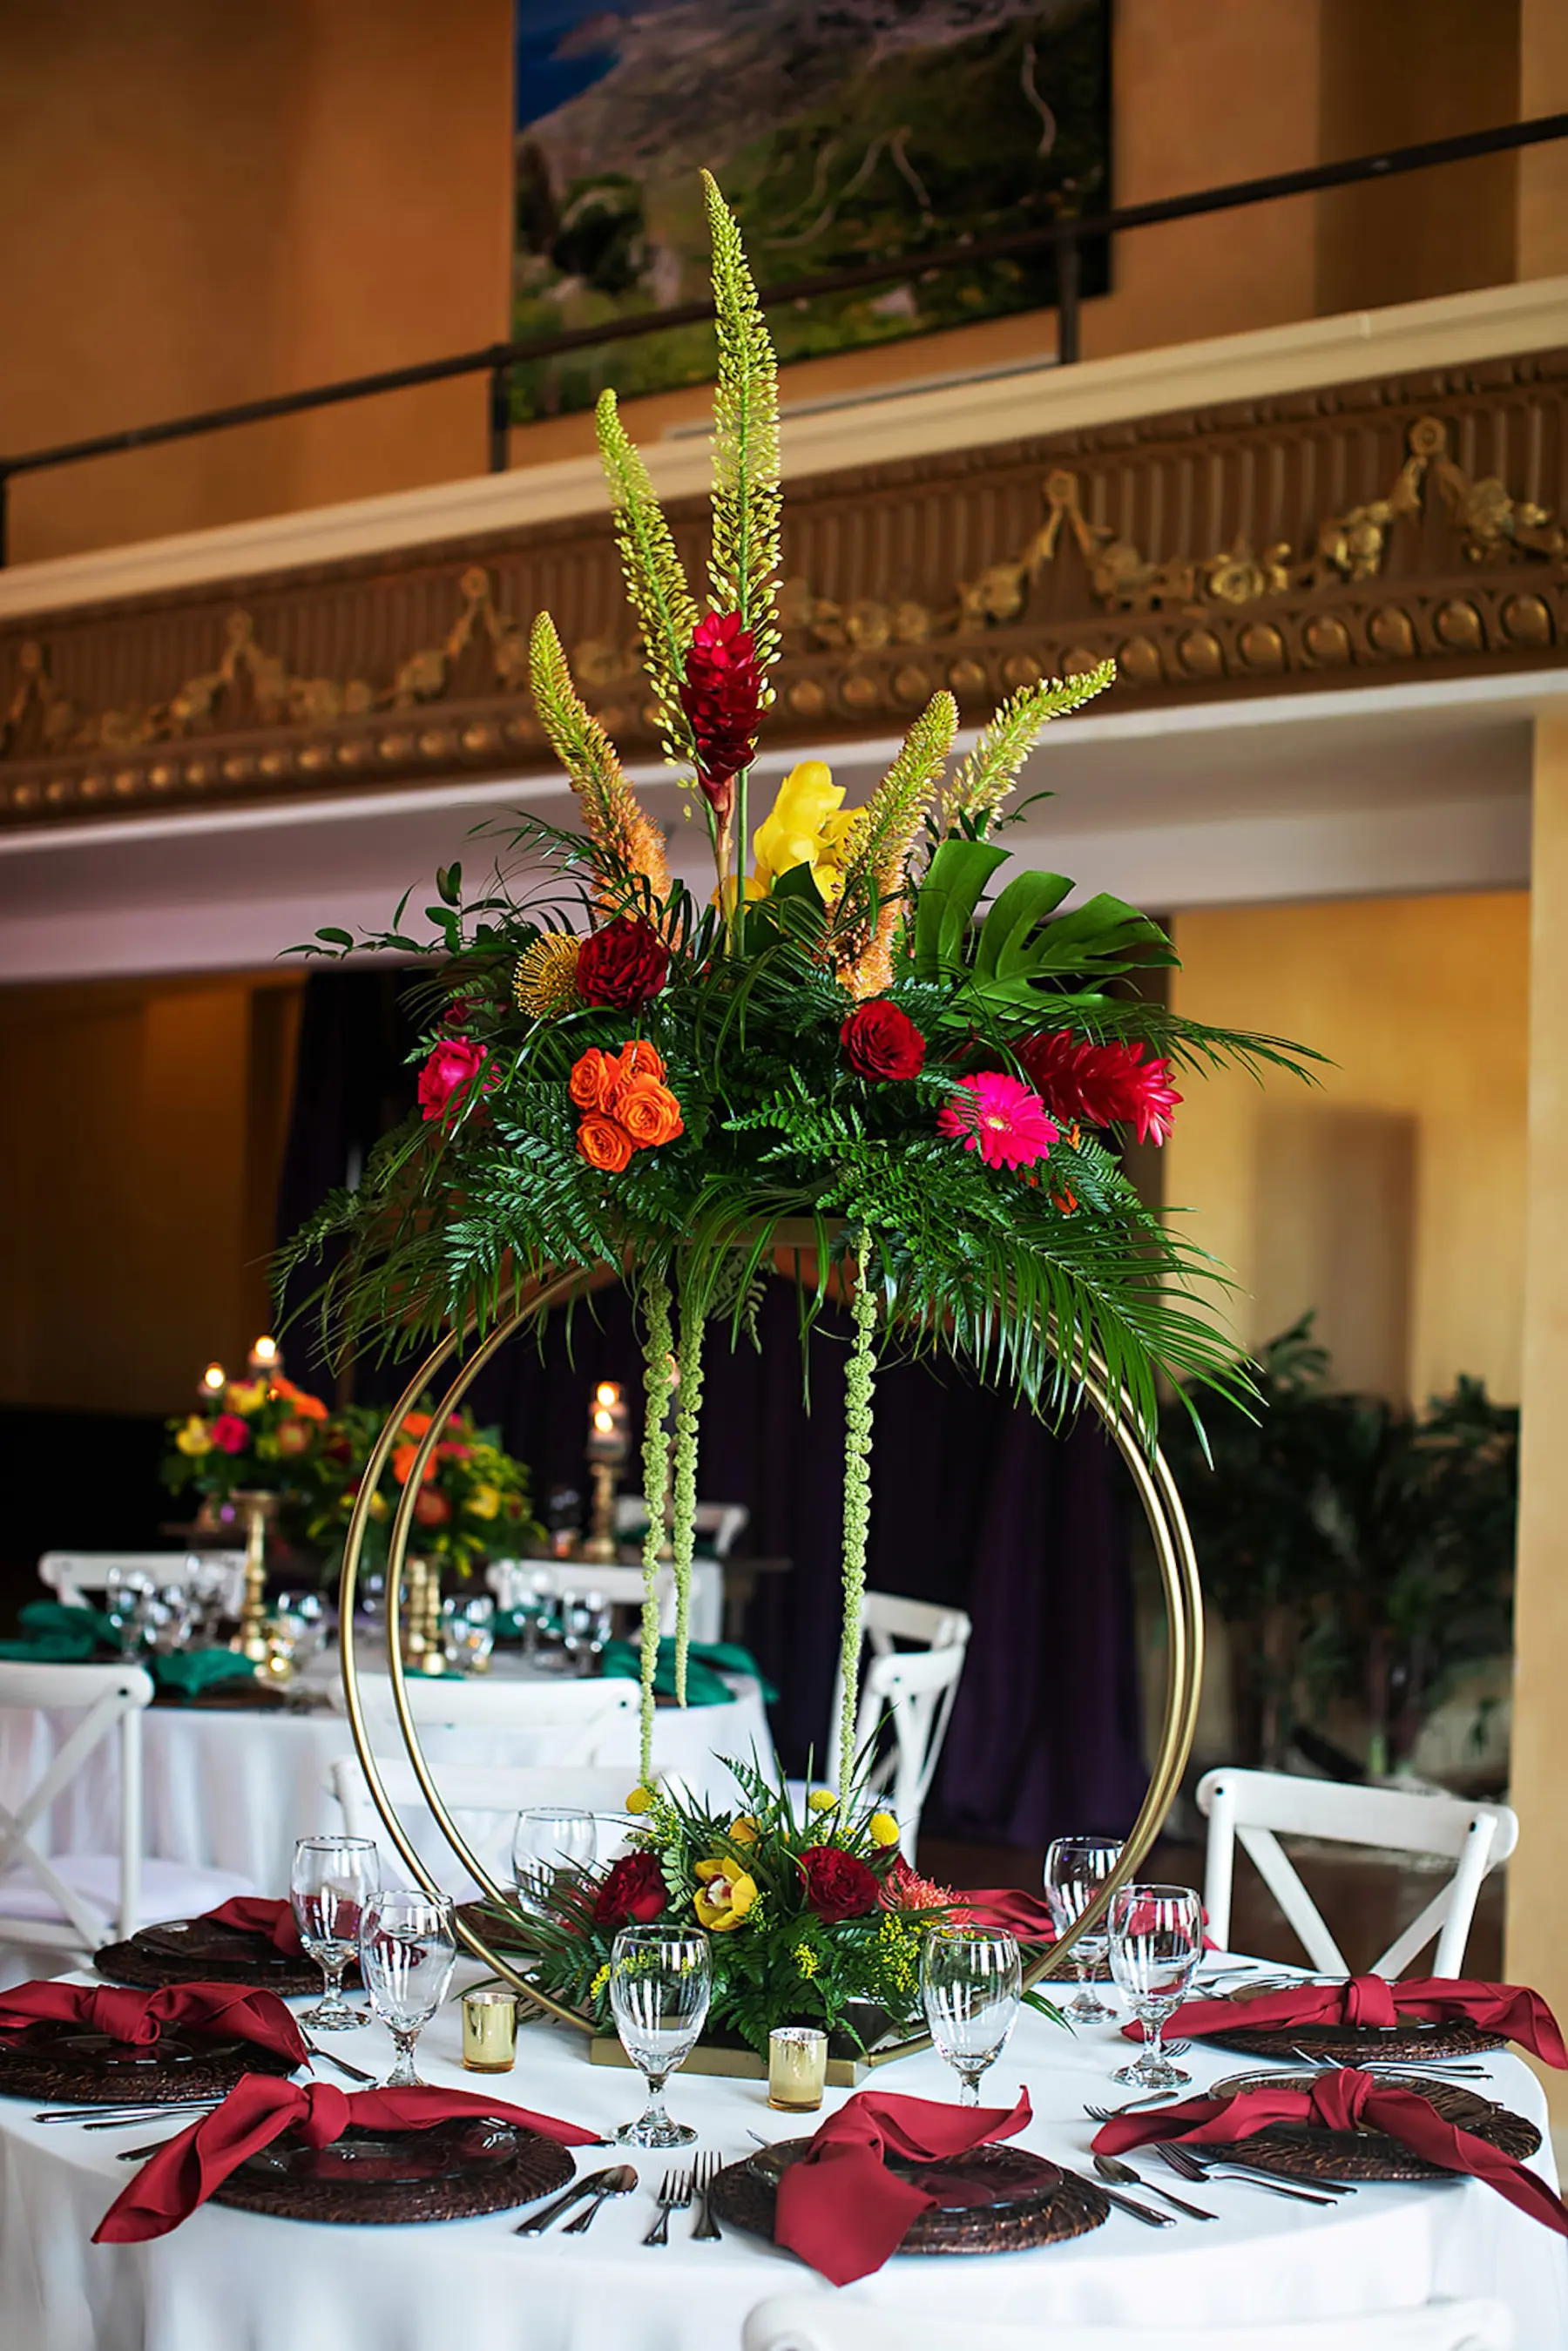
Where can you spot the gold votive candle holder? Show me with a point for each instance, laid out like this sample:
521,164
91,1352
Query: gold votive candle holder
490,2031
797,2068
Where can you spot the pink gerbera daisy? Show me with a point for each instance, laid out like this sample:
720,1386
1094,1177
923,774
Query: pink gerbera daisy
1000,1119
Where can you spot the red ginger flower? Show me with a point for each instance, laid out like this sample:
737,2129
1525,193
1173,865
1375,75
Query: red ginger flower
722,696
998,1118
1104,1085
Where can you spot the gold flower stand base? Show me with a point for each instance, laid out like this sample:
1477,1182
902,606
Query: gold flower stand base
738,2064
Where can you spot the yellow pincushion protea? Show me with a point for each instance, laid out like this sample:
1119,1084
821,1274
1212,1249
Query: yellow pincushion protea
544,981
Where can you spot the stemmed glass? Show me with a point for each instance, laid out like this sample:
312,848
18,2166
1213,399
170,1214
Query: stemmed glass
127,1594
1075,1870
1156,1942
407,1952
660,1983
333,1879
971,1981
548,1841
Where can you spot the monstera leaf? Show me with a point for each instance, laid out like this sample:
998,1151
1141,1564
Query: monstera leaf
1023,942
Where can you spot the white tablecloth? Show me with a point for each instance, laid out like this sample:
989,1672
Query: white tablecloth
235,2279
232,1790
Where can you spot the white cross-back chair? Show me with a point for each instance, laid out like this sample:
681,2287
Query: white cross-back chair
484,1800
909,1692
575,1722
79,1578
516,1581
830,2322
76,1902
1252,1808
720,1523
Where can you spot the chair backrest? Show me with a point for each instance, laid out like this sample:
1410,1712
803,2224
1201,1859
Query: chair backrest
73,1576
108,1701
828,2321
580,1721
1250,1807
483,1799
919,1722
720,1523
516,1581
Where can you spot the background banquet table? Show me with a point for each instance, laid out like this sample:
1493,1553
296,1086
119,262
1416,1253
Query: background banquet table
232,1788
228,2277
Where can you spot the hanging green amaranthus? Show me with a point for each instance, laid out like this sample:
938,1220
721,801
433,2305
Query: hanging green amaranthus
860,1381
684,1518
658,1379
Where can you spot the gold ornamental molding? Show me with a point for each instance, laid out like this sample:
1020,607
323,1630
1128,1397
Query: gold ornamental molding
1405,526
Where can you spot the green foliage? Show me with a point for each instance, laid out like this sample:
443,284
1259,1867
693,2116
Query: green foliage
656,579
746,490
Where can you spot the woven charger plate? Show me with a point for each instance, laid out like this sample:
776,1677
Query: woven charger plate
1349,2042
453,2171
1060,2208
63,2063
197,1950
1301,2153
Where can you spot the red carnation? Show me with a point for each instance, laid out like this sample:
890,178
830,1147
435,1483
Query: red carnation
838,1885
633,1894
624,963
722,696
1103,1085
880,1042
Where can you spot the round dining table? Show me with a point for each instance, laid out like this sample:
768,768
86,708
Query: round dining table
226,2278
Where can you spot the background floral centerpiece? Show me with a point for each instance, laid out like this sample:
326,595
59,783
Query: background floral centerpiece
262,1436
473,1503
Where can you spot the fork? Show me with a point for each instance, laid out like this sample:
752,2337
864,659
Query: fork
1186,2166
352,2072
1446,2068
707,2230
1115,2114
675,2195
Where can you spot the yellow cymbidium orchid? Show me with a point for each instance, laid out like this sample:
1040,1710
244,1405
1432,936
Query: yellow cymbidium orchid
807,825
194,1439
725,1895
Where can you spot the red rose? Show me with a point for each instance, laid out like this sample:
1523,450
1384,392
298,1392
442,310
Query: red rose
633,1894
451,1068
229,1433
624,963
880,1042
838,1885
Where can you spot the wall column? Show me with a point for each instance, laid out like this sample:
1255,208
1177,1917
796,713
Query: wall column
1537,1931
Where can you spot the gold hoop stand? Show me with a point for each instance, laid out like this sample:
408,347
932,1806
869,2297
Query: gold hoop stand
1172,1550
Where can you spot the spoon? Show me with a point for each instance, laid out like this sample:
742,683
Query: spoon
1123,2175
619,2182
592,2183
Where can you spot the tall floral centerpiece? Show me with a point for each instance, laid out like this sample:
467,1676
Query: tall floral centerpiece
868,1054
258,1448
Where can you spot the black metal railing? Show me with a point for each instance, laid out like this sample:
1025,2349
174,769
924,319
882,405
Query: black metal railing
1067,236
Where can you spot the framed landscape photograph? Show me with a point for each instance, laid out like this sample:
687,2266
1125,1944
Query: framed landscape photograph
842,136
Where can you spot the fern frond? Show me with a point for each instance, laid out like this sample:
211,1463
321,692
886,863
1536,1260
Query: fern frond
656,579
870,909
744,564
612,815
991,769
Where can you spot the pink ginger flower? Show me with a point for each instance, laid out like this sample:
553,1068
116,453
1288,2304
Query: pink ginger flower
1000,1119
1103,1085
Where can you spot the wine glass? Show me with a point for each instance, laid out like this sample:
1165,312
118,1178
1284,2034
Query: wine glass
971,1981
660,1981
407,1952
548,1842
1075,1870
331,1880
468,1634
126,1593
1156,1942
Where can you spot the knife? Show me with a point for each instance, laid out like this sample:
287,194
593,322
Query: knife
590,2184
1134,2210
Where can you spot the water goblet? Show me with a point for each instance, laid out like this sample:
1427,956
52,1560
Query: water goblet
407,1953
125,1593
971,1981
1156,1942
333,1879
660,1983
1075,1870
468,1634
550,1844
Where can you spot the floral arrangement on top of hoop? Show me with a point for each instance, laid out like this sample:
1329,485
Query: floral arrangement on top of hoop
835,1055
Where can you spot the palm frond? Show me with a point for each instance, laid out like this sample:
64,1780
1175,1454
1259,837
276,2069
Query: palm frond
744,564
656,579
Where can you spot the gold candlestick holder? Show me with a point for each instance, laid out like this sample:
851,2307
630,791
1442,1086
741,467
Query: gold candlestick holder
422,1618
258,1511
599,1543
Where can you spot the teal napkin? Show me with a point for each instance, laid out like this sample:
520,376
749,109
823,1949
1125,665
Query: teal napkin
189,1671
54,1635
707,1662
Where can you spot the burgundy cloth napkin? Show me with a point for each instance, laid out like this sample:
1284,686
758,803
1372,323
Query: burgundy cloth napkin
140,2017
170,2185
1524,2016
841,2209
257,1914
1339,2102
1008,1910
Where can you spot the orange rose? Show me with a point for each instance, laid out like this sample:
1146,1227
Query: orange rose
305,1406
604,1143
593,1082
402,1465
416,1426
649,1111
637,1059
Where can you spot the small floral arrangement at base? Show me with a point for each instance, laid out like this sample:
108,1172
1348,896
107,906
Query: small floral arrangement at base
815,1922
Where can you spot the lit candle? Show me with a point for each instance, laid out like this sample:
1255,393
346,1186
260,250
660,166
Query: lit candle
489,2032
212,1384
609,1423
797,2068
265,1358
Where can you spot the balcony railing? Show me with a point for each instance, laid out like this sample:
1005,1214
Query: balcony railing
1067,236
